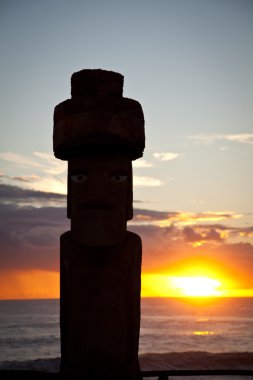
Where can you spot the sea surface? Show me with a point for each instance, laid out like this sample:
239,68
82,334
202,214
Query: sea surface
213,325
174,330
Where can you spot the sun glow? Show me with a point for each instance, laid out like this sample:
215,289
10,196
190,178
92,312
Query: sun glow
165,285
197,286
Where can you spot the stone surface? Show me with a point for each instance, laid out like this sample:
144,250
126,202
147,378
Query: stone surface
96,82
98,119
99,199
100,308
99,132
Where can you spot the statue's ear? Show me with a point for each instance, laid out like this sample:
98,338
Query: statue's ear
129,210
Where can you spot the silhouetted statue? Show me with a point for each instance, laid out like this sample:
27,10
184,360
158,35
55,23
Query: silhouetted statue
99,133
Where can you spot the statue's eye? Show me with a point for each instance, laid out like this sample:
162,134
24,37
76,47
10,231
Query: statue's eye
118,178
79,178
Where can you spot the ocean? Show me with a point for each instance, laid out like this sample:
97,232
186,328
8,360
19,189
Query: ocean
215,325
175,334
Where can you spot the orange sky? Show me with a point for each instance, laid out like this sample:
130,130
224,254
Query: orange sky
28,284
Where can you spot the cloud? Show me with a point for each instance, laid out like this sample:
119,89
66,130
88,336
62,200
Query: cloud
20,178
141,163
194,229
195,235
49,174
24,197
246,232
42,183
242,138
165,156
52,184
207,216
19,160
51,165
40,160
29,236
201,235
163,218
139,181
142,215
25,178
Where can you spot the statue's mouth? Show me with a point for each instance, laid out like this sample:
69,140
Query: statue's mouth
97,205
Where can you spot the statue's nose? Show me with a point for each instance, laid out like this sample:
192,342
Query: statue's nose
98,186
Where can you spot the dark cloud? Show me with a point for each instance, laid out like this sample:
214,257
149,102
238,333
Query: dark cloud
161,246
202,234
151,215
247,231
9,192
190,235
29,236
22,179
142,215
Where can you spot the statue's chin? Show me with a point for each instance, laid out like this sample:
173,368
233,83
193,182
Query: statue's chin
99,229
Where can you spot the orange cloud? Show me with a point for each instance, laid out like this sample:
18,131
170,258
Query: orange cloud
164,219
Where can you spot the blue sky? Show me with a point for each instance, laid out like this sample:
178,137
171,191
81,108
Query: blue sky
188,62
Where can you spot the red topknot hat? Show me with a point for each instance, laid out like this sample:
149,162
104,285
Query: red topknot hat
97,119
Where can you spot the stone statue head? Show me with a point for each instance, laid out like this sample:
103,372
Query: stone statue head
99,133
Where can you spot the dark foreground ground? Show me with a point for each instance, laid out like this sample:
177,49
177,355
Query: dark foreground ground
178,366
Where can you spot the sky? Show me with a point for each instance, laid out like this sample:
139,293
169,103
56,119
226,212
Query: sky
190,65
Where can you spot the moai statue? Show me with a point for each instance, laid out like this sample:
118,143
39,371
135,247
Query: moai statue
99,133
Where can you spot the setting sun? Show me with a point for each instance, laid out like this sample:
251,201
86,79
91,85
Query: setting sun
165,285
197,286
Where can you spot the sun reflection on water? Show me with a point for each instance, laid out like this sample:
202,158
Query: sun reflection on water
203,333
